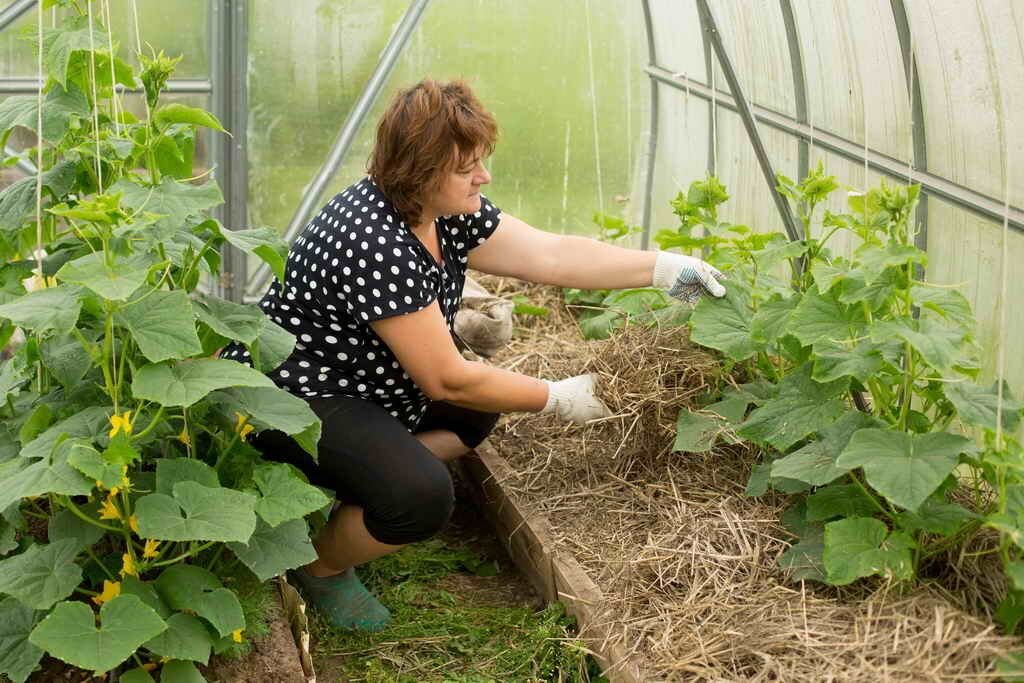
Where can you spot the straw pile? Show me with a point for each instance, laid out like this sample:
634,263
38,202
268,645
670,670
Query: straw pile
687,563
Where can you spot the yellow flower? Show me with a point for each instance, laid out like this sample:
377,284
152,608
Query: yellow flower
242,426
111,589
184,438
128,566
120,422
236,635
109,509
133,524
150,550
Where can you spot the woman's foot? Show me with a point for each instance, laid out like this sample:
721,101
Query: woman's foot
342,599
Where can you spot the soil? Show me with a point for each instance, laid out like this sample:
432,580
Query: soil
273,658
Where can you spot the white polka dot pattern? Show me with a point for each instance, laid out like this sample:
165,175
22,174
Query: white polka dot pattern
356,262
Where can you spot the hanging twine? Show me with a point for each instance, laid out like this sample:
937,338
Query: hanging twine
95,102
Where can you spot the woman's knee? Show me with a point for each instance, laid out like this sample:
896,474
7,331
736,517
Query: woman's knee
415,507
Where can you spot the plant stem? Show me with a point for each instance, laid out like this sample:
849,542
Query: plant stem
77,512
152,423
102,566
871,496
184,555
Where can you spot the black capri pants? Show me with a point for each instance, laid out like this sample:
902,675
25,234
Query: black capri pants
370,459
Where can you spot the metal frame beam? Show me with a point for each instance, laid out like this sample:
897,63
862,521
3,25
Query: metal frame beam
747,116
13,12
796,61
228,45
29,85
917,129
652,137
346,136
963,197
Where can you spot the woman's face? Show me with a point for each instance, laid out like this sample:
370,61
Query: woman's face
459,191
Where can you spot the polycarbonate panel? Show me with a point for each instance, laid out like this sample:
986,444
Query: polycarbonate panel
970,61
565,150
754,36
965,251
678,40
855,78
682,153
750,198
178,27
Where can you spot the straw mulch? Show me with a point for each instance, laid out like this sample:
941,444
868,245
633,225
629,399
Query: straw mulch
686,562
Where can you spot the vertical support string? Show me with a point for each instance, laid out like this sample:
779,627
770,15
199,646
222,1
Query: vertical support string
114,101
593,108
39,148
95,99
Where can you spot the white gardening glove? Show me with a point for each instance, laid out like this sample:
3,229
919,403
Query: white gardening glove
573,400
686,277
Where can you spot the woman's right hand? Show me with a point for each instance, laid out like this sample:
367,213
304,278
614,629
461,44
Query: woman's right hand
573,400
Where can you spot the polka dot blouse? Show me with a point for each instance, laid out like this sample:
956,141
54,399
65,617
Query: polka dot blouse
354,263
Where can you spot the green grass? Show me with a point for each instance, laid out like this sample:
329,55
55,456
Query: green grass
468,636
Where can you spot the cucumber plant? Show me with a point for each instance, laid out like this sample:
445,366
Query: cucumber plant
859,384
126,482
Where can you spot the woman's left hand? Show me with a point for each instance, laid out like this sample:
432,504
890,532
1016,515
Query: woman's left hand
686,277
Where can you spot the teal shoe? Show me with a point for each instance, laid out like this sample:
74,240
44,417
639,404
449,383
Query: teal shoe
342,599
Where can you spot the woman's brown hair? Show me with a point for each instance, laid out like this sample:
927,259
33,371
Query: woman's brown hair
427,131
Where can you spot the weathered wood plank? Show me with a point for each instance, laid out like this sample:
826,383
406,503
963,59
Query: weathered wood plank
555,575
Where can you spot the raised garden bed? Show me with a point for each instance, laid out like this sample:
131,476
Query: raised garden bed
671,570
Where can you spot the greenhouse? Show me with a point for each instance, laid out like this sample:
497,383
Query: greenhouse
452,340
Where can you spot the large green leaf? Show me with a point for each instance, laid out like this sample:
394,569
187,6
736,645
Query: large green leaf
13,374
185,638
42,575
18,201
70,632
939,345
947,302
178,671
905,468
243,322
61,41
772,318
188,587
698,432
87,460
804,559
88,423
978,405
67,525
18,657
802,407
59,106
284,495
49,310
272,347
169,471
145,591
272,550
874,260
23,478
815,463
182,384
839,500
65,358
819,318
163,325
861,360
197,513
862,546
936,517
724,324
116,281
174,201
180,113
273,408
264,243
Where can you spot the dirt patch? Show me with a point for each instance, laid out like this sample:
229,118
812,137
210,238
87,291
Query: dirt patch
687,563
273,658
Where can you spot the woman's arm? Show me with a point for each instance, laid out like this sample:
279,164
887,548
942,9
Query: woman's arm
425,350
519,250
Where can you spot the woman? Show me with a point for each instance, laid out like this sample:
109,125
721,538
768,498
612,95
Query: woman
371,289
